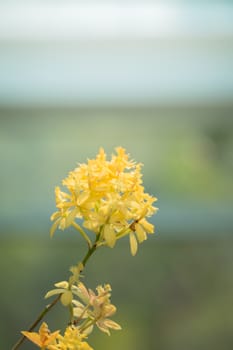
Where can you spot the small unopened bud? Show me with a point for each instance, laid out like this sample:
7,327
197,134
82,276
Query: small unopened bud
66,298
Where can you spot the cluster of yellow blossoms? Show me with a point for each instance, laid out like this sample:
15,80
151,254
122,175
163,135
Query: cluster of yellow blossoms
110,199
107,198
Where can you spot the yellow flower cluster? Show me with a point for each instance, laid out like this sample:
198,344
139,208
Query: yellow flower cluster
109,197
72,339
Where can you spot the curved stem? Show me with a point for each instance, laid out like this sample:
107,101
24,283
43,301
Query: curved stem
71,310
39,318
89,253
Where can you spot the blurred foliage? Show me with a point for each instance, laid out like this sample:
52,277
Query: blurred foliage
173,112
176,293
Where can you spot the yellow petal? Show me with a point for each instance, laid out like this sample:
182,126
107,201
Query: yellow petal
62,284
109,235
108,310
133,243
71,216
102,327
82,198
82,292
34,337
141,234
43,337
88,331
53,292
55,215
79,309
111,324
147,226
54,227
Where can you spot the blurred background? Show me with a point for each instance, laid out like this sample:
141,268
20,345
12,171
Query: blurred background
155,77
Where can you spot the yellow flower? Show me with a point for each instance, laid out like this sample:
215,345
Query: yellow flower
97,309
109,198
43,338
72,340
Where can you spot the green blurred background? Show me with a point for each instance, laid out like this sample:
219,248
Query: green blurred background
155,78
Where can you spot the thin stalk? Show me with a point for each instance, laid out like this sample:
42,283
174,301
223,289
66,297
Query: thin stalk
91,250
39,318
71,310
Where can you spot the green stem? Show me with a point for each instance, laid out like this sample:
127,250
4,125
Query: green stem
39,318
71,310
91,250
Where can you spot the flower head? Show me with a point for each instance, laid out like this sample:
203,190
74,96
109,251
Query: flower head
96,308
109,197
43,339
72,340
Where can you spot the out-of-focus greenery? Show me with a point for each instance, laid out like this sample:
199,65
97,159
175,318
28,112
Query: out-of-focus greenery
187,155
164,92
177,292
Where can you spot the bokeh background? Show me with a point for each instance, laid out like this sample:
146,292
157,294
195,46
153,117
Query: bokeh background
155,77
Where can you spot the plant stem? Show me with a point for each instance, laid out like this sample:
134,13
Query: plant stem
39,318
89,253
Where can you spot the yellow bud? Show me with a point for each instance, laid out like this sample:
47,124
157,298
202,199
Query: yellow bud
133,243
62,284
66,298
